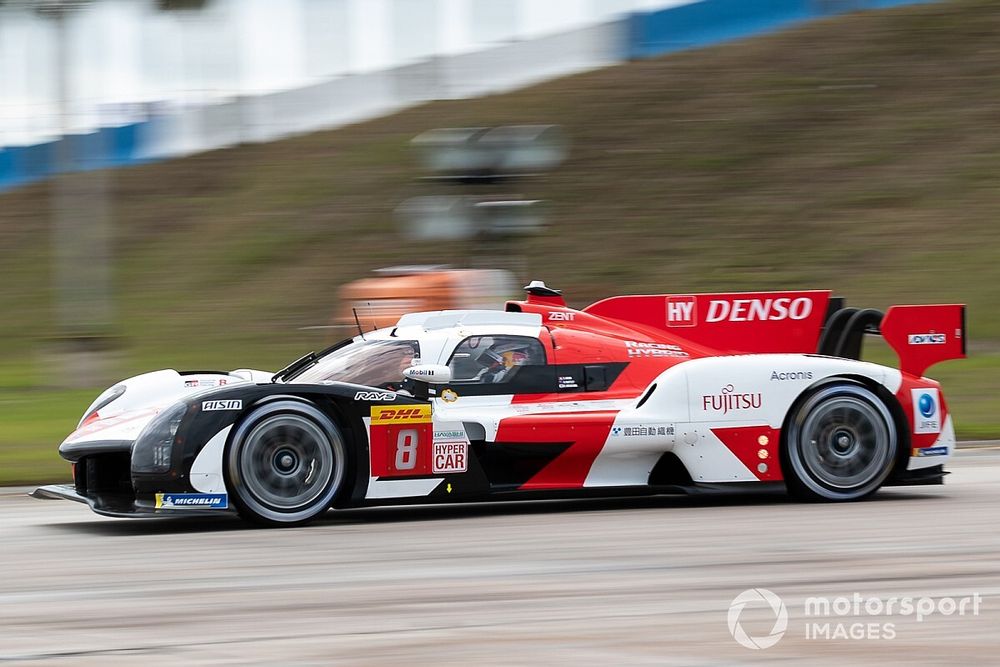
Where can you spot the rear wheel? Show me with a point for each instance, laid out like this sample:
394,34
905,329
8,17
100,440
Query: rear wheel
841,444
285,464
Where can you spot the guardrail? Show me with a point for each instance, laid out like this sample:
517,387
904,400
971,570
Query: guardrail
108,147
713,21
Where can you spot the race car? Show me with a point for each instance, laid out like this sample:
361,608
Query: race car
630,395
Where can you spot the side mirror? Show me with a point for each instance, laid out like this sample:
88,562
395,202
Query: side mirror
429,373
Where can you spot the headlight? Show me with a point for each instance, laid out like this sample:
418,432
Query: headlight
154,446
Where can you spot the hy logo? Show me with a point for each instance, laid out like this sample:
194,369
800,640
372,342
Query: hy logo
757,597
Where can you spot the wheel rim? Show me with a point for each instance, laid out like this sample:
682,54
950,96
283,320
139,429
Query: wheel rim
844,443
287,462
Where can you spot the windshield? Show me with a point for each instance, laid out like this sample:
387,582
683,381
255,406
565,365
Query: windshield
375,363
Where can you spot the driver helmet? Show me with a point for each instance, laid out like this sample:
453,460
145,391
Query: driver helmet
506,354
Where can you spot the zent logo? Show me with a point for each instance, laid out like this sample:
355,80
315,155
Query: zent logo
758,597
558,316
682,311
926,411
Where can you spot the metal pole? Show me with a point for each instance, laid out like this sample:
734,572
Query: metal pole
81,237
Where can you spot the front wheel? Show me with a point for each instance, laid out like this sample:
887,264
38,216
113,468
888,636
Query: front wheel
285,464
841,444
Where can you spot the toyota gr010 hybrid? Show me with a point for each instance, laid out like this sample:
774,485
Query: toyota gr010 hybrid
632,394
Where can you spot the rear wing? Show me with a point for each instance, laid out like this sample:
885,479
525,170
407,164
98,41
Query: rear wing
805,322
920,335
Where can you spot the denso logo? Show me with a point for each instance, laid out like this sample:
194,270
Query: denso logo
728,399
751,310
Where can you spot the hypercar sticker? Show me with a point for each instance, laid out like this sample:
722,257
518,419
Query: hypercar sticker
450,457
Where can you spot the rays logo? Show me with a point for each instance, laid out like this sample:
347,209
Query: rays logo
757,597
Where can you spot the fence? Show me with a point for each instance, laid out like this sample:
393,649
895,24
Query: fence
349,99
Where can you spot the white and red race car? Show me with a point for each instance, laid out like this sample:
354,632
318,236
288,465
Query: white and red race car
632,394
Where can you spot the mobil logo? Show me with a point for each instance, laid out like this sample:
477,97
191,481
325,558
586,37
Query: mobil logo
758,309
682,311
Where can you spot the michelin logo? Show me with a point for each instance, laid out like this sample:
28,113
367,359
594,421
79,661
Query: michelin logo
931,451
212,501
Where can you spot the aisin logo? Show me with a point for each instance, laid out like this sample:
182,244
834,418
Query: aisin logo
757,597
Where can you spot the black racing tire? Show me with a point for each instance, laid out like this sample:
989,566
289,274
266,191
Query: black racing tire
285,464
841,444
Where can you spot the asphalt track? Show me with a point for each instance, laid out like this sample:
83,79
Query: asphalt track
633,581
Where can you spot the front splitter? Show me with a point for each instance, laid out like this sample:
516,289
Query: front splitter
133,510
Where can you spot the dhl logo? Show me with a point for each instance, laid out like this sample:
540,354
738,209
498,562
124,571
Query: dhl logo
401,414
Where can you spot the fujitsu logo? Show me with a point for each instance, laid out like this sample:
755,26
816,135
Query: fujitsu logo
728,400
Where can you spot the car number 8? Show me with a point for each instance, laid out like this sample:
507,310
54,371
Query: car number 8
406,449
